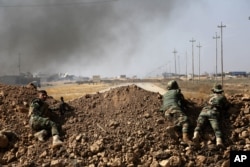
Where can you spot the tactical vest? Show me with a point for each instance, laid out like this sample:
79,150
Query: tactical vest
172,98
217,101
38,108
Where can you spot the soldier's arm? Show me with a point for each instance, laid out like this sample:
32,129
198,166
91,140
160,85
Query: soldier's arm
34,107
224,107
53,108
183,102
226,103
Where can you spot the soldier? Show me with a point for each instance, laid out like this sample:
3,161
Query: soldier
39,120
215,105
173,107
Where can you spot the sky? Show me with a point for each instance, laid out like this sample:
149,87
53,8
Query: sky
123,37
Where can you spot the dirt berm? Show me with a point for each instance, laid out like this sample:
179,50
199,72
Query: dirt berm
119,127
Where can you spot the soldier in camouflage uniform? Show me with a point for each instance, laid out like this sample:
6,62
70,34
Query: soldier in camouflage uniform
173,107
216,104
39,120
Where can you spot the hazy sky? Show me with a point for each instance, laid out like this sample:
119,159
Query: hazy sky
115,37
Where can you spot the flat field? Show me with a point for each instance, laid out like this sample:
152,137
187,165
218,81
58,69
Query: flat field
73,90
190,89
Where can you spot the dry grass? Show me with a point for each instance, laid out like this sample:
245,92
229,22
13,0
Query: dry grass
200,89
190,89
72,91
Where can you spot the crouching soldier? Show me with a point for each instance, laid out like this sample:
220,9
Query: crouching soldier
216,104
40,123
173,105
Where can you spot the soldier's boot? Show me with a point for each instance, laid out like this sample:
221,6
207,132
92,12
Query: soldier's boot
196,137
56,142
219,142
186,139
41,135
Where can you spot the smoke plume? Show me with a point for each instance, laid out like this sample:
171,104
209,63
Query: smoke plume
78,36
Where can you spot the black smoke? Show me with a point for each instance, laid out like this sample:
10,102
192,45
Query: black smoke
60,35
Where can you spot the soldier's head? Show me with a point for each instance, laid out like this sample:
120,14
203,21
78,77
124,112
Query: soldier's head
217,88
172,85
42,94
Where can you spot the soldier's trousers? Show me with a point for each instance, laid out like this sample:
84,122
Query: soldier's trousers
39,123
178,118
212,116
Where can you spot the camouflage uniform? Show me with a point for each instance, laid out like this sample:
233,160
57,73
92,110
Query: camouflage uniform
38,117
216,104
173,105
173,101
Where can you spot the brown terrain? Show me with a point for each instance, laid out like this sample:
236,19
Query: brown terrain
121,126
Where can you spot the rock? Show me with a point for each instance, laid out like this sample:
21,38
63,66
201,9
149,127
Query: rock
226,163
200,159
56,163
154,163
4,141
245,134
175,161
96,147
164,163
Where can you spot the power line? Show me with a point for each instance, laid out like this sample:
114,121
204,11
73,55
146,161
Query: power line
19,63
175,60
216,60
221,27
192,58
179,68
186,65
199,46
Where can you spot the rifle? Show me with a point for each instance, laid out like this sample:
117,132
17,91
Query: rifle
62,106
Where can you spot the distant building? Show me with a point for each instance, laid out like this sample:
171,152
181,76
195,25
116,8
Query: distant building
167,75
237,73
122,77
19,80
96,78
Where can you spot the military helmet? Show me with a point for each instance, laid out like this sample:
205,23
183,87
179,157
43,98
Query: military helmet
217,88
43,92
172,85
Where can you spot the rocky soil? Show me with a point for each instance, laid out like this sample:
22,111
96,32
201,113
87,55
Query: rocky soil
119,127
